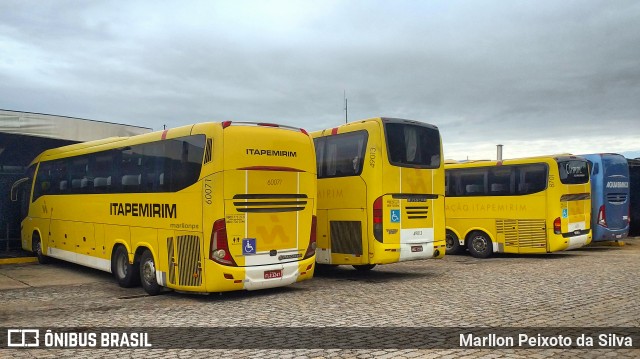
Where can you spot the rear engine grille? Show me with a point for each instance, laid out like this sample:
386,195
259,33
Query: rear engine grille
186,264
269,203
530,233
346,237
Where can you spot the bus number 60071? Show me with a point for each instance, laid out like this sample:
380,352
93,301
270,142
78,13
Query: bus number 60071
207,191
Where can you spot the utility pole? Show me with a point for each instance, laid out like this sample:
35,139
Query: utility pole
346,108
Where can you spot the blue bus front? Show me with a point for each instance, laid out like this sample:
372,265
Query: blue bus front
609,196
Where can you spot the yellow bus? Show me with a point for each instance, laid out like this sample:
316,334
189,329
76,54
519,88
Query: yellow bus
208,207
380,193
526,205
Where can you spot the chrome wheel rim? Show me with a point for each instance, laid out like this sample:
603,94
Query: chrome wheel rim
148,271
479,244
122,266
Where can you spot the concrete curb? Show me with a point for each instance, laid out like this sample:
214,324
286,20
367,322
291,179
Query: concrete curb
18,260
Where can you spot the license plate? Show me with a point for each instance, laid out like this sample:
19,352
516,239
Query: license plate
416,248
271,274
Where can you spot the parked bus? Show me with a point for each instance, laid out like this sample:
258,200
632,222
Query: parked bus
526,205
609,196
380,193
634,197
208,207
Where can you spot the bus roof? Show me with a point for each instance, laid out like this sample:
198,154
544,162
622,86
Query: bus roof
380,120
512,161
116,142
63,151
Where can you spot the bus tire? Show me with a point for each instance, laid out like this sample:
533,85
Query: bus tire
453,243
148,273
36,247
364,267
480,246
126,274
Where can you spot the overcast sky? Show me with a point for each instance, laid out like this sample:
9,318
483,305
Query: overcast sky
539,77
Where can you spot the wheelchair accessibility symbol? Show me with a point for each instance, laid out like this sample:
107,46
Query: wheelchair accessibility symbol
395,216
248,246
565,213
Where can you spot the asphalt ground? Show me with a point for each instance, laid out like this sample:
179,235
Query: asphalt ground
593,287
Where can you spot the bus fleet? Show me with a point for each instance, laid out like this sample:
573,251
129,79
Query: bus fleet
226,206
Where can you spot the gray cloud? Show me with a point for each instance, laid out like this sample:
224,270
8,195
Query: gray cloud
484,72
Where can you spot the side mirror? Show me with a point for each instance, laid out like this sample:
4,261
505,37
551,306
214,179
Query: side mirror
15,187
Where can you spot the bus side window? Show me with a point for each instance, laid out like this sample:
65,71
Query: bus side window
343,154
101,170
446,184
43,180
532,178
473,182
500,179
318,143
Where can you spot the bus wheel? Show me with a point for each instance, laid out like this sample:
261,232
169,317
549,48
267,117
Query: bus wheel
364,267
36,247
148,273
126,273
480,245
453,244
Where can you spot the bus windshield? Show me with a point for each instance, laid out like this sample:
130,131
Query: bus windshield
412,145
614,164
573,171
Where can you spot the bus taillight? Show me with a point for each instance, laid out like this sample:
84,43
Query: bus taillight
311,250
629,215
219,245
377,219
557,226
602,217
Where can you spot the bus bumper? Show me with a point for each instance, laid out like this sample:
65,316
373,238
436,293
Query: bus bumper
260,277
578,241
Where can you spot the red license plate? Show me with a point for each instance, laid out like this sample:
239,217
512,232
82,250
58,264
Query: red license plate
416,248
270,274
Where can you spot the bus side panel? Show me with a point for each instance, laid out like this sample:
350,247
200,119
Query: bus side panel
145,237
213,210
323,251
438,223
37,221
117,235
516,224
347,236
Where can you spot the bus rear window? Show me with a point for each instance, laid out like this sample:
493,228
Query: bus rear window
413,145
573,172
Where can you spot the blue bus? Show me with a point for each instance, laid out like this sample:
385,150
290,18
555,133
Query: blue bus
609,196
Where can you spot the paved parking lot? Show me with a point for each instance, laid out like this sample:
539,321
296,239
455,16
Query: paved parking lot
590,287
